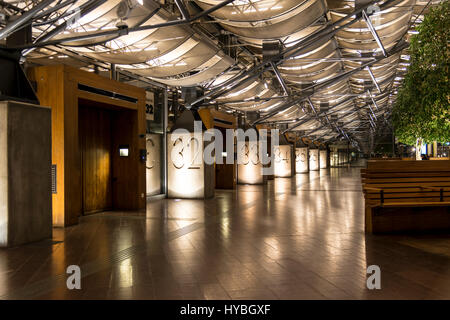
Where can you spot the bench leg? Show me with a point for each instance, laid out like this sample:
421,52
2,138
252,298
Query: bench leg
368,220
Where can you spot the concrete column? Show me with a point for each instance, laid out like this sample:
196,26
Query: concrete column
313,159
25,171
189,177
283,159
301,160
323,159
249,165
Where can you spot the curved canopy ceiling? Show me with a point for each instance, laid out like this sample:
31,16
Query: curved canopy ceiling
327,69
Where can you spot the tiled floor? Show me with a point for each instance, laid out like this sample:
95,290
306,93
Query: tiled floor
299,238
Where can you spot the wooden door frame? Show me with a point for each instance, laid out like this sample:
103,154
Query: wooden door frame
59,88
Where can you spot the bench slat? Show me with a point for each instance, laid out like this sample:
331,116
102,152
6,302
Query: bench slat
408,166
398,180
368,189
406,184
371,174
417,204
407,195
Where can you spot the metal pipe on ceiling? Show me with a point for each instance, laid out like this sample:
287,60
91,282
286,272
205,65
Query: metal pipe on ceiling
374,32
124,31
330,31
54,8
24,18
328,83
84,9
183,10
280,79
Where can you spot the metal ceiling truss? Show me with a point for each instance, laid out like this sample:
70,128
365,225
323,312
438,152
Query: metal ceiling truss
327,54
24,18
84,10
328,31
317,87
123,31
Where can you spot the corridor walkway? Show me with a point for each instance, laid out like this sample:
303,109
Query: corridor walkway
295,238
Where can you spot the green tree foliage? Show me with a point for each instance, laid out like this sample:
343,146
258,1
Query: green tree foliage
422,108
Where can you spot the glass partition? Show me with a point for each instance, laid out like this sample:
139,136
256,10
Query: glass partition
156,116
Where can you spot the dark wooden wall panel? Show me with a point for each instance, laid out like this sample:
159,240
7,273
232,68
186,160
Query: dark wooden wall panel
126,172
95,145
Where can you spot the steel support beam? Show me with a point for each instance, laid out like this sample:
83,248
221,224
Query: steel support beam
374,32
329,31
373,101
334,108
84,9
107,66
323,126
9,6
256,99
126,31
371,110
280,79
325,84
24,18
183,10
253,77
54,8
373,79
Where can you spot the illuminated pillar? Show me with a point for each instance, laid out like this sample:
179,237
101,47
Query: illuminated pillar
323,159
189,177
283,161
153,164
301,160
249,165
313,159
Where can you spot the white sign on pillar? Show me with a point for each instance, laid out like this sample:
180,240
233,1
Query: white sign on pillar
301,160
283,158
153,164
323,159
188,176
249,165
313,159
149,105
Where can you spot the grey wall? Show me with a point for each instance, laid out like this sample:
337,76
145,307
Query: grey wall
25,177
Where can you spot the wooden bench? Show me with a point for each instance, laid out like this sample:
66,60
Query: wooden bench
406,195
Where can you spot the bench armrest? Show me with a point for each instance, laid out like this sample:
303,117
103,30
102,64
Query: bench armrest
381,191
440,189
431,188
373,189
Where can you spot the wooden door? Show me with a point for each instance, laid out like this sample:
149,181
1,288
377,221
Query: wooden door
225,173
95,143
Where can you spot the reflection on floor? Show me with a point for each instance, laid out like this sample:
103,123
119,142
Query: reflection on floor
299,238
